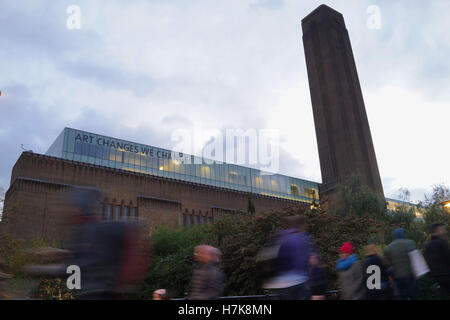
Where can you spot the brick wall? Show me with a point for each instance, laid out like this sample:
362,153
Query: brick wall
35,205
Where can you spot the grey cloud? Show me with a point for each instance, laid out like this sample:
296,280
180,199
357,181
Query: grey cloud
109,77
267,4
21,122
39,28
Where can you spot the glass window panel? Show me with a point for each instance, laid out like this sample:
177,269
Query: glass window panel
71,142
202,172
182,168
126,158
65,141
84,149
178,167
166,167
99,152
222,173
92,150
77,157
105,153
126,212
112,154
197,170
137,160
240,177
294,190
148,162
119,156
213,172
78,147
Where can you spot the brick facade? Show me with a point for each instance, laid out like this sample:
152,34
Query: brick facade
35,205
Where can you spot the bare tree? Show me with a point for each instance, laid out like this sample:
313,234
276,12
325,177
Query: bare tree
404,194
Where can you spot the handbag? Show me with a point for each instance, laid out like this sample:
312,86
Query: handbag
418,263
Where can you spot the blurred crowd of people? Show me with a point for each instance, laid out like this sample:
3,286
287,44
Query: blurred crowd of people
112,256
393,274
114,261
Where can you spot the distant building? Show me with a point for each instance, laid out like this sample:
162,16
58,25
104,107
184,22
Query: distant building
394,205
138,181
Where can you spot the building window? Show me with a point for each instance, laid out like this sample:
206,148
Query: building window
78,147
126,212
134,212
294,190
85,149
189,221
311,193
117,213
108,212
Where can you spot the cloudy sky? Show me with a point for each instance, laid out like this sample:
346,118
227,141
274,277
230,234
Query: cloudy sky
140,69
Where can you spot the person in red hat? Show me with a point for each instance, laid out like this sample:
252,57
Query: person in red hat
349,269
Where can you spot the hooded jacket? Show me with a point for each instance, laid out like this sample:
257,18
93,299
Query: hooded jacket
397,254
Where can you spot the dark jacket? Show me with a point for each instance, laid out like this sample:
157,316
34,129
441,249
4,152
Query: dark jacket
397,254
208,281
99,249
318,282
375,260
437,255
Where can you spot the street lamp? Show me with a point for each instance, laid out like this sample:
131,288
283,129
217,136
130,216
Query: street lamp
446,205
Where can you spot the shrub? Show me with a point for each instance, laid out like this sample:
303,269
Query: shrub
172,259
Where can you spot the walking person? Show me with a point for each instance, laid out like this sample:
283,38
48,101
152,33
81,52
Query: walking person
350,274
208,280
318,283
397,255
437,255
292,262
384,291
